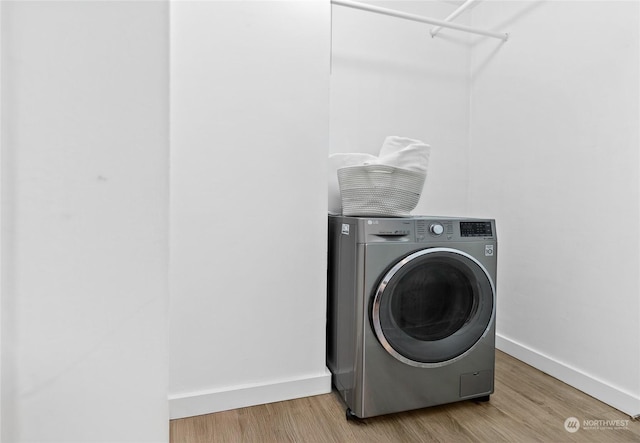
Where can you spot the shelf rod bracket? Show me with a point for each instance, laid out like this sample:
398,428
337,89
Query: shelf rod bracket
453,15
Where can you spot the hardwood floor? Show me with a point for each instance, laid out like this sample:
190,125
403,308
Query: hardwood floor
527,406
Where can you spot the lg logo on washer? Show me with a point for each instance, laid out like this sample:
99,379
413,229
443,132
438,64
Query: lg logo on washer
488,250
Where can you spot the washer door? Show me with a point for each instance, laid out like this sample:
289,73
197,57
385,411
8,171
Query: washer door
433,306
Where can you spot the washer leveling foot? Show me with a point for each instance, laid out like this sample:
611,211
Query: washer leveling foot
351,416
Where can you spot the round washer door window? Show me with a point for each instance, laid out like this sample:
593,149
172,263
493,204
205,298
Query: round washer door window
433,306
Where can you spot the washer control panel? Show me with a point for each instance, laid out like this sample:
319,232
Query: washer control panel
452,229
421,229
430,229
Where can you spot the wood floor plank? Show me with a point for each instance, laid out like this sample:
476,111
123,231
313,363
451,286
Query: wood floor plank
527,406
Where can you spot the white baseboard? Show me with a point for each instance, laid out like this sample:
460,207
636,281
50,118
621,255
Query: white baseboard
621,400
207,402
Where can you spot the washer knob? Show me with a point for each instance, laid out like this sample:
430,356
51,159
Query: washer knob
436,229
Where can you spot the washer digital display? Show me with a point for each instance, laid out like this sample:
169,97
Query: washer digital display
476,229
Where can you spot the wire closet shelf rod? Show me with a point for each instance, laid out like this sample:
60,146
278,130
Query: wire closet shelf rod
419,18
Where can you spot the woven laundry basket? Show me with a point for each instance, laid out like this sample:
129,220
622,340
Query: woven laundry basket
379,190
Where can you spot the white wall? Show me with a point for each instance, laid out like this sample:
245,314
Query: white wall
85,221
249,135
548,147
389,77
554,157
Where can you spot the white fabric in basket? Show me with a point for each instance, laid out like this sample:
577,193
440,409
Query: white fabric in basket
404,153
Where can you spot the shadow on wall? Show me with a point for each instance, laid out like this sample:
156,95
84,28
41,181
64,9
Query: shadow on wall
503,25
384,67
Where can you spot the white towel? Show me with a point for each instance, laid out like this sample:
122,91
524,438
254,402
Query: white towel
404,153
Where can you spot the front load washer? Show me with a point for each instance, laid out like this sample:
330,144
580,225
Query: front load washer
411,311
